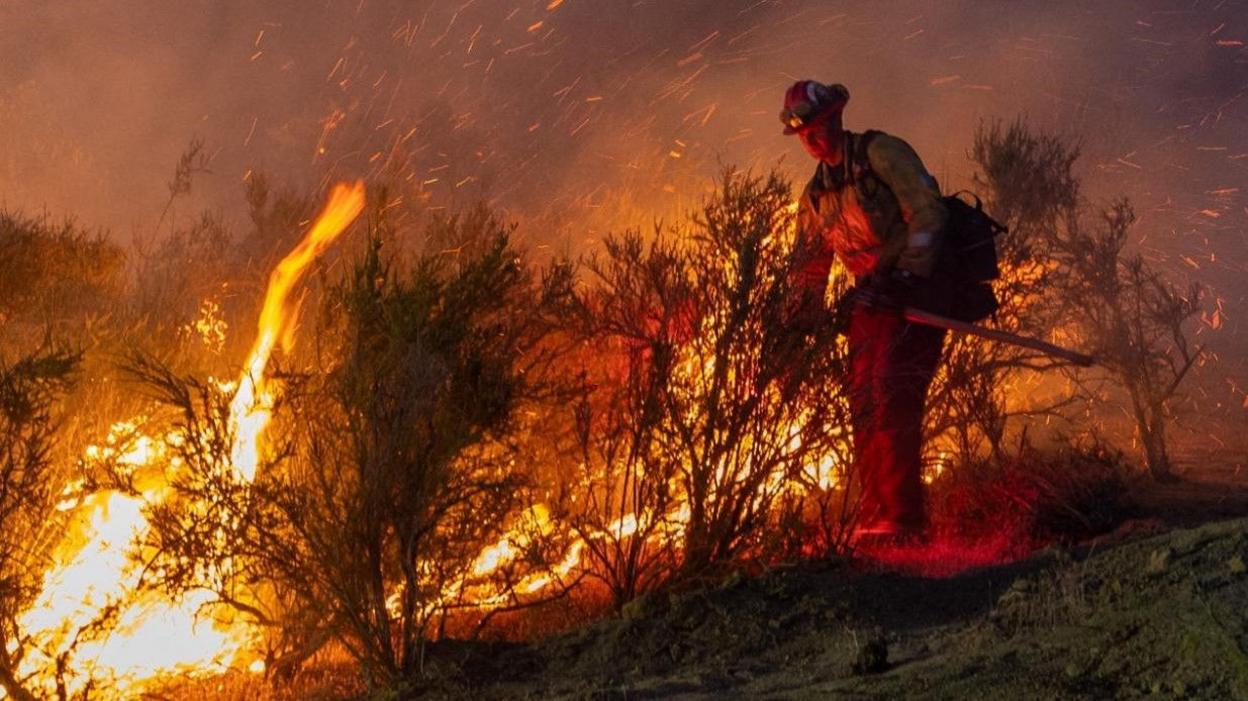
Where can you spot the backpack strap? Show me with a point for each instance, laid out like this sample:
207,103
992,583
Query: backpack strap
859,161
996,226
854,170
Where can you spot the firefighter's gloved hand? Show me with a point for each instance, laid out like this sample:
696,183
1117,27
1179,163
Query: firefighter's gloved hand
889,292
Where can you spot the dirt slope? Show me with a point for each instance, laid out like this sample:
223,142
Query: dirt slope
1159,615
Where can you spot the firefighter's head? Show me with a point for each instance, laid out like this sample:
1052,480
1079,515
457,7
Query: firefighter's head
812,110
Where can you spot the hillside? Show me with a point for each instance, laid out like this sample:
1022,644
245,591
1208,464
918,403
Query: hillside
1155,614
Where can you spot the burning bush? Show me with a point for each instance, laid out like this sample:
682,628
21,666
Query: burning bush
709,418
397,466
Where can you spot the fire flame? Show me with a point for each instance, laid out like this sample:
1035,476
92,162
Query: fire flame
155,636
250,407
94,574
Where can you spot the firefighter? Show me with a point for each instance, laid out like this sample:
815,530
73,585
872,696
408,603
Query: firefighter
872,204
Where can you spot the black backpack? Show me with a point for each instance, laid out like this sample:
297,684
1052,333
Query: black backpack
968,259
972,235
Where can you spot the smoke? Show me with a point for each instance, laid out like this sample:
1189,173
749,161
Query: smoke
579,116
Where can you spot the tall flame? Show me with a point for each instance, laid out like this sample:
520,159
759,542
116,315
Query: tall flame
250,407
93,573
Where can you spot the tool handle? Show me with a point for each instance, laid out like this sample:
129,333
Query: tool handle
919,316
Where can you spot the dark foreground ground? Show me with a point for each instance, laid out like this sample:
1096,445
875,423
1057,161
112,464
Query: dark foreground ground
1157,609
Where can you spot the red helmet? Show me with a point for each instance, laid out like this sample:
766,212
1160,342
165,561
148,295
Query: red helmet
807,100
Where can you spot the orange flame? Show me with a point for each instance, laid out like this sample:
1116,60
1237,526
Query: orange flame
249,409
94,572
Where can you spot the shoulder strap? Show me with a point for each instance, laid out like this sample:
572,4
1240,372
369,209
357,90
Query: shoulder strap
860,161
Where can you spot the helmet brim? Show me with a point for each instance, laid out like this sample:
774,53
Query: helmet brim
822,115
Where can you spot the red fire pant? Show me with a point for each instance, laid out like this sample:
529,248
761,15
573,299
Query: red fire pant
892,362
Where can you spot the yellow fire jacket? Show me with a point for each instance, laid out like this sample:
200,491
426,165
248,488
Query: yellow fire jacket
880,214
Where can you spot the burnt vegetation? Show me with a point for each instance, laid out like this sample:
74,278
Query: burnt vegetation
465,432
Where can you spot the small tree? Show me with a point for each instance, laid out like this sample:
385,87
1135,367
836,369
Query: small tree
1135,321
1058,273
1027,182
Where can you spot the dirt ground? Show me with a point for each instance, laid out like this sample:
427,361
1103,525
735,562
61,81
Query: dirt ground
1158,609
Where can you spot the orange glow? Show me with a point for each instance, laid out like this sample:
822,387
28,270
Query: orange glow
95,569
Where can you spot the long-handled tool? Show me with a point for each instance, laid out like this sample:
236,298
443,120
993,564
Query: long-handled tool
919,316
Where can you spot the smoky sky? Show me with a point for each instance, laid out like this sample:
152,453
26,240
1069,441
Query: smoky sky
574,115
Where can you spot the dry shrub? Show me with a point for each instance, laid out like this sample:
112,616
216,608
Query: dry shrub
200,267
1027,182
1034,496
275,213
705,420
1070,269
1137,323
56,279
